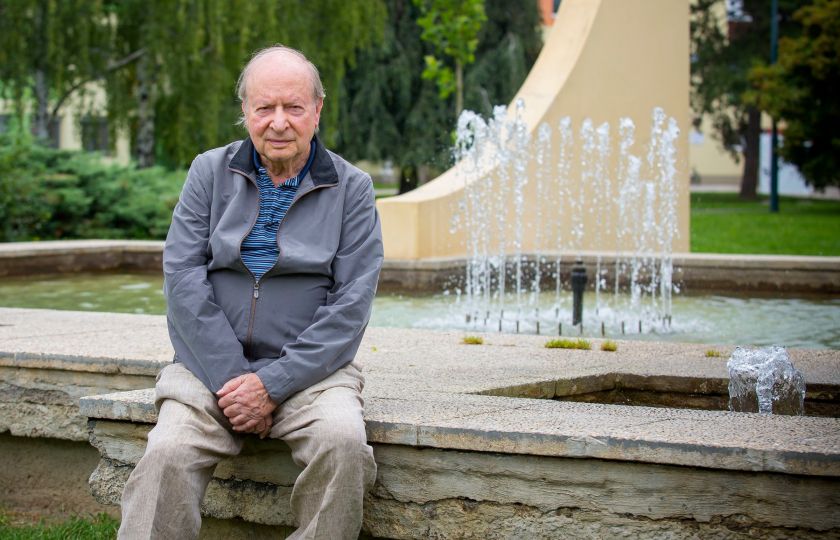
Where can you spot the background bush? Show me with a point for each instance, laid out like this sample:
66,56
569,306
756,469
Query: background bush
49,194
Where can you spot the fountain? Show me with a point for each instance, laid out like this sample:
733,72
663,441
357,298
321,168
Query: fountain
765,381
578,192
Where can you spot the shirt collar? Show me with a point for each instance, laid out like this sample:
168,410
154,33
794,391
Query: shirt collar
295,180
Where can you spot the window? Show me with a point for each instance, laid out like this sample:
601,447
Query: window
95,134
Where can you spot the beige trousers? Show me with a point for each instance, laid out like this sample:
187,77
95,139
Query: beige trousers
322,425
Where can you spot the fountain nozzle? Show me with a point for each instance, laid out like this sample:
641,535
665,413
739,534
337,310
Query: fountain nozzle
578,284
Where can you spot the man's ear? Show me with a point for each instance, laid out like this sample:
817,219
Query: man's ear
318,106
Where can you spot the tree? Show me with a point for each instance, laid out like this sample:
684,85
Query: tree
192,51
48,49
451,27
389,112
801,89
721,62
175,60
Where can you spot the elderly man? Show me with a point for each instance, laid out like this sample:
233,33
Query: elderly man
270,265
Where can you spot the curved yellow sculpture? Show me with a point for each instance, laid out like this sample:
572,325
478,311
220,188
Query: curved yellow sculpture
603,60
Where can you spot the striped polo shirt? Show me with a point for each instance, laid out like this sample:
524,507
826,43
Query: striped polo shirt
259,249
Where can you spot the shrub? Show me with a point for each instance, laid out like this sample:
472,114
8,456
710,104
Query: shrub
568,344
473,340
48,194
711,353
609,346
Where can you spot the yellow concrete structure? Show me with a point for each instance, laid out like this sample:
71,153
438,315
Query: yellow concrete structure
604,60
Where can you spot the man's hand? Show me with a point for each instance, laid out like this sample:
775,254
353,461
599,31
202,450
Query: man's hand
246,403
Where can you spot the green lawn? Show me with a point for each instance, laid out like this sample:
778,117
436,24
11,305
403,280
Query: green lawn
722,223
101,527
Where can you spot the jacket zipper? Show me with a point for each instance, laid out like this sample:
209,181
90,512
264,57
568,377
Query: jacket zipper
256,291
256,294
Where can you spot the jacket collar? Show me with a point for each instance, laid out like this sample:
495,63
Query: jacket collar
322,170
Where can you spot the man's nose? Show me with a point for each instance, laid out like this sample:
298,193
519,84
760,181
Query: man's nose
278,120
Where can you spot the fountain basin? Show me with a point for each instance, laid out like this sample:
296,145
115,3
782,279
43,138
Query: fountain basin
758,319
676,392
455,461
453,455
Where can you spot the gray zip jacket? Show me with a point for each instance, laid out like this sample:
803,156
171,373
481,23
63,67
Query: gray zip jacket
302,320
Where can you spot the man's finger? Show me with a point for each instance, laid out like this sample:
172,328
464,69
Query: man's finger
231,411
248,426
268,419
230,399
230,386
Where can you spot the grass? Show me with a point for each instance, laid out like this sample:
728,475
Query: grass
562,343
723,223
609,346
711,353
473,340
100,527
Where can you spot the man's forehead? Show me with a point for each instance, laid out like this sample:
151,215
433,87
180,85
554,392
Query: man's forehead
279,63
276,65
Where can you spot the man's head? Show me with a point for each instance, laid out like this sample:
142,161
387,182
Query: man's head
282,96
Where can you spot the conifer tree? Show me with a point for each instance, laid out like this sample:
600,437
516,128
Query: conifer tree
389,112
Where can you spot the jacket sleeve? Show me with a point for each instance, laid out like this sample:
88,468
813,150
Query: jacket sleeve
201,334
333,337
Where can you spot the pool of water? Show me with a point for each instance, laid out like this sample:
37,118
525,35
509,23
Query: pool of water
715,319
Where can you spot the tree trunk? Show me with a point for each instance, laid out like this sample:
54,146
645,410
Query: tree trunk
41,121
459,89
408,179
752,141
145,113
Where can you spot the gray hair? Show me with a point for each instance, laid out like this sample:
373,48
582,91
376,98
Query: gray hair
317,85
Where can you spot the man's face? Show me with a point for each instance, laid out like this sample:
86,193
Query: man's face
281,111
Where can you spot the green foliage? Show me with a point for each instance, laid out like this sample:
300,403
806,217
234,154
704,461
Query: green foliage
721,223
801,89
451,27
442,74
473,340
721,63
388,111
48,194
99,527
712,353
722,54
170,66
609,346
562,343
47,47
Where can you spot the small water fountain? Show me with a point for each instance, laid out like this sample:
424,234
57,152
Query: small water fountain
580,190
764,381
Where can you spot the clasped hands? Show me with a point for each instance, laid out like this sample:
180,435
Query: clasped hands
247,405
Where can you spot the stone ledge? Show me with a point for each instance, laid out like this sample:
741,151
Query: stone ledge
435,493
446,421
696,271
716,440
428,389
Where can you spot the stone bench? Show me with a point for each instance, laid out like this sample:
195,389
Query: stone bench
50,359
460,457
471,440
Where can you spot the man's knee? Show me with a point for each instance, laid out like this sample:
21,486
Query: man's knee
345,445
167,452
